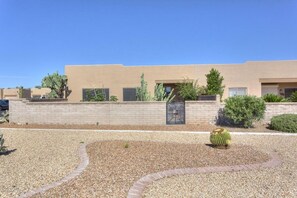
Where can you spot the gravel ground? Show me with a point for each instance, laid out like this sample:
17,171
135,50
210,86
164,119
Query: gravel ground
277,182
113,169
187,127
42,157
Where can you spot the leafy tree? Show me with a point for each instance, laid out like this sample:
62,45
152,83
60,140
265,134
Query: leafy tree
57,83
142,93
215,83
188,90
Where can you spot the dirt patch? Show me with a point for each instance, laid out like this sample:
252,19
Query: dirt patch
116,165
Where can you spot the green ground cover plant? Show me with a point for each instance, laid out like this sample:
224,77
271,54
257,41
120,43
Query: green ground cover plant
285,123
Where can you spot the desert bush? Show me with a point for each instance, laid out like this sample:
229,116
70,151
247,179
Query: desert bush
244,110
220,137
95,95
113,98
273,98
188,90
293,97
285,123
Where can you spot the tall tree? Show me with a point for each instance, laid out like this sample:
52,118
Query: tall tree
215,83
57,83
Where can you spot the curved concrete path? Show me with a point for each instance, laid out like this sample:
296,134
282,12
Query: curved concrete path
138,187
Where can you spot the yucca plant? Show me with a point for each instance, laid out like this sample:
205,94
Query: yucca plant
2,147
220,138
160,94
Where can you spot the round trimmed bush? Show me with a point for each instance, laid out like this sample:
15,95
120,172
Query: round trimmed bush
242,111
285,123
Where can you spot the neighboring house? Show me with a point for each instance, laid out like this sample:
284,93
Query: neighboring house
40,92
250,78
13,93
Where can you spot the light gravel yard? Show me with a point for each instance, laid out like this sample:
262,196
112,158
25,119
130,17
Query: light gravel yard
44,156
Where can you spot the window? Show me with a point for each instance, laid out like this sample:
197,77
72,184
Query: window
289,91
129,94
89,94
237,91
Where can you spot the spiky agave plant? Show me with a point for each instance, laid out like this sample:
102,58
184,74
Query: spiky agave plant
220,138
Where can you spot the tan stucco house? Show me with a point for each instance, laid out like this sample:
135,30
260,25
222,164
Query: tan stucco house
14,93
250,78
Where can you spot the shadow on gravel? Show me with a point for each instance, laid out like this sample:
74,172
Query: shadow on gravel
7,152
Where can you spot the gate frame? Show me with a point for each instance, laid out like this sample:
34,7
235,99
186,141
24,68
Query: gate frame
184,122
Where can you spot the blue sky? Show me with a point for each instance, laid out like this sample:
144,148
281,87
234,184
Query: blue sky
38,37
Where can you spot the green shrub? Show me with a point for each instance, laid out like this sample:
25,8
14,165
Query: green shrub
273,98
285,123
113,98
188,90
293,97
220,137
244,110
95,95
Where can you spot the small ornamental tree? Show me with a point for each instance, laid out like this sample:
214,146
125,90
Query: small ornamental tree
57,83
142,93
215,83
244,110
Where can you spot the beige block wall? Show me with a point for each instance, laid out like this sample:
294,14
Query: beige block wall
123,113
117,77
128,113
274,109
198,112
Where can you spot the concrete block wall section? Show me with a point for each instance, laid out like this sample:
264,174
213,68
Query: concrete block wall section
106,113
273,109
123,113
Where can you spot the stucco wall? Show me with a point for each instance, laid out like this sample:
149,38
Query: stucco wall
117,77
123,113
